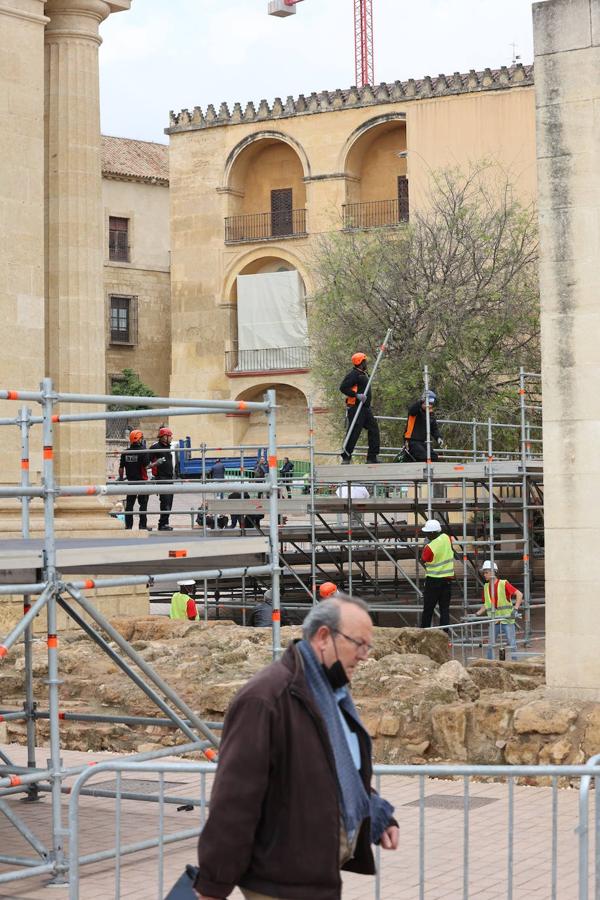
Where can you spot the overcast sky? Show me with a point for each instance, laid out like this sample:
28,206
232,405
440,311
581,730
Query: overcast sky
171,54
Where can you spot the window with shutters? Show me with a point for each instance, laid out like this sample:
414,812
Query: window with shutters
403,210
123,320
281,212
118,239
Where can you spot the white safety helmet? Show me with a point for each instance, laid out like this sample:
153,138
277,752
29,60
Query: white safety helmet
431,525
268,596
487,566
188,583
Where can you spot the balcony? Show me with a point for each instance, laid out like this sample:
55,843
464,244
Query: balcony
375,214
265,226
279,359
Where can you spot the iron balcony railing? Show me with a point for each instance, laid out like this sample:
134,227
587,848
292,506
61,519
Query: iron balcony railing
261,226
270,360
375,214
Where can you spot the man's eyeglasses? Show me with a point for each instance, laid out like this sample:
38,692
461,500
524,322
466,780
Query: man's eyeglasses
362,646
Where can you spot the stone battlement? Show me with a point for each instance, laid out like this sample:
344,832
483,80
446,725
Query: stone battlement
331,101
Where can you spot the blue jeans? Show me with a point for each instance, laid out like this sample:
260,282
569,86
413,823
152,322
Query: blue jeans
497,629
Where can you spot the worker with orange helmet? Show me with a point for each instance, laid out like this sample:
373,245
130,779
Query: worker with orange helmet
358,403
133,467
327,590
163,469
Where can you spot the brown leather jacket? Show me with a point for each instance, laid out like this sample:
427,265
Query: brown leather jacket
274,822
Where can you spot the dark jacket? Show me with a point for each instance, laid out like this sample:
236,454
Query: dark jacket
217,472
161,458
134,461
416,424
355,383
287,470
262,615
274,822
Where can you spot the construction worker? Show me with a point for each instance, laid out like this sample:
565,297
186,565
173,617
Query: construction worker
500,608
183,605
133,467
161,460
415,435
327,590
262,614
354,387
438,559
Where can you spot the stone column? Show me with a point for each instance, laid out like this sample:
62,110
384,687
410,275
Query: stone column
75,305
567,63
21,211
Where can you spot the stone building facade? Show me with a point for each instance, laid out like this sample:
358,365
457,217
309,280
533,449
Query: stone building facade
252,189
135,196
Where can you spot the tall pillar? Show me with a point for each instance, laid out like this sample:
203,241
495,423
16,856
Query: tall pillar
567,63
75,308
21,209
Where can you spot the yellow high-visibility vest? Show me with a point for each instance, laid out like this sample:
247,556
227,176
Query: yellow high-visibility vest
178,609
504,609
443,558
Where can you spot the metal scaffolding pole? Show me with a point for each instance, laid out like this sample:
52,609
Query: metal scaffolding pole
274,523
29,705
525,499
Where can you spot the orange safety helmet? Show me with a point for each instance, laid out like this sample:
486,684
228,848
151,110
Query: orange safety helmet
165,432
357,358
135,436
327,589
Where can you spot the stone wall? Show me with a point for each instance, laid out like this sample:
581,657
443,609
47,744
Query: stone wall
418,705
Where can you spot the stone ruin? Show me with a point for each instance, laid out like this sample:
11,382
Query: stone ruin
418,705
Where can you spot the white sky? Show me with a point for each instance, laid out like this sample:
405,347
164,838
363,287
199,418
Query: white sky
171,54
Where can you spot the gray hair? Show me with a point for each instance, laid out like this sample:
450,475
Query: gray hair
328,613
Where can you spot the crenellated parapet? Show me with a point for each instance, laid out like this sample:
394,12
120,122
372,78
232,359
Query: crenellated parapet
353,98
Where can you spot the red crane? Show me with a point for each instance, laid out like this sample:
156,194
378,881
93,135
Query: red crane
364,54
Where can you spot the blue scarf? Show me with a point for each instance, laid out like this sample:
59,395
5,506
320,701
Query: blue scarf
356,804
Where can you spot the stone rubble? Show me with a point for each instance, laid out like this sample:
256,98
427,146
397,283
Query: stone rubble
418,705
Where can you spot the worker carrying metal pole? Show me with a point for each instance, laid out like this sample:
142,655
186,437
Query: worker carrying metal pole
356,387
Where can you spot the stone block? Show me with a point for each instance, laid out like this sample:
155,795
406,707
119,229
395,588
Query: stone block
449,723
544,717
561,25
389,725
523,750
591,739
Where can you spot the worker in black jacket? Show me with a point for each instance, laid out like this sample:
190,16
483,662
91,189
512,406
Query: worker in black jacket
133,467
415,435
354,387
161,459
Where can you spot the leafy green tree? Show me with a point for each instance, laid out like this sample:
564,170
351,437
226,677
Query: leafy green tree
130,385
458,286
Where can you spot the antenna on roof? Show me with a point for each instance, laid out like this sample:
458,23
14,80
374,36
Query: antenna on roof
516,57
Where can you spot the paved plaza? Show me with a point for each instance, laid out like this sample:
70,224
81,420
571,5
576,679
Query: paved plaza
443,827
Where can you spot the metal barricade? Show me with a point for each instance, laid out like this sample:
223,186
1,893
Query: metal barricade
536,843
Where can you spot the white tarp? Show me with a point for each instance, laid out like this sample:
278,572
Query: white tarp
271,313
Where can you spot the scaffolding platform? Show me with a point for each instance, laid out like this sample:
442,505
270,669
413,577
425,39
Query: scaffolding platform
381,473
21,559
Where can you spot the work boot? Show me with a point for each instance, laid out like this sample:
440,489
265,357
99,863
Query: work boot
346,460
372,462
165,528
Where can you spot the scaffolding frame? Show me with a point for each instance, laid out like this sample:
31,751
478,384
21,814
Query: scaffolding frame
353,556
52,593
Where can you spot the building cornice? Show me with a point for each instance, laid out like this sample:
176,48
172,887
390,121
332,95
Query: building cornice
140,179
21,14
506,78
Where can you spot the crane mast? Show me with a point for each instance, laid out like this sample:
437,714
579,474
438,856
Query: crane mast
364,54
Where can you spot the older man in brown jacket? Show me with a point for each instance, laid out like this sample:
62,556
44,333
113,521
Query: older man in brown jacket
292,801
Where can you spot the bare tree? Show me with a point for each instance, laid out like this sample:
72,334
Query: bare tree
459,288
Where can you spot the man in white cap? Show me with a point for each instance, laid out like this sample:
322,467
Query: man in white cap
183,605
438,559
498,604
